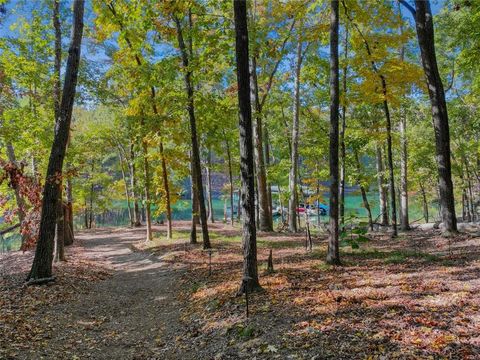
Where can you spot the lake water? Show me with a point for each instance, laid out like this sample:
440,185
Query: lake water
118,216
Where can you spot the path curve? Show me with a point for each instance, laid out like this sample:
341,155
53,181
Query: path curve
133,314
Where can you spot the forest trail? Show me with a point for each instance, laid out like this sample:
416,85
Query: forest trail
133,314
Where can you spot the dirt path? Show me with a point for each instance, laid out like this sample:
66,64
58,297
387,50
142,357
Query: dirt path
132,315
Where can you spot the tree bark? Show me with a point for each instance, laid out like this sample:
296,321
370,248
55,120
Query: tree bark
393,203
425,203
388,126
195,206
249,240
230,177
426,41
193,132
167,191
265,222
267,164
133,185
211,216
125,182
292,178
60,226
342,131
404,221
333,253
382,191
146,171
42,263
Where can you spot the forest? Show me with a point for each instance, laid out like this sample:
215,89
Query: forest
239,179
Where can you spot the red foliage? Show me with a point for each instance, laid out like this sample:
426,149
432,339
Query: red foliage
31,192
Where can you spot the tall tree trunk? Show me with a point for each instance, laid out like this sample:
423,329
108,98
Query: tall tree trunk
425,203
125,182
333,253
292,178
146,172
267,163
342,130
195,206
42,263
133,184
393,203
249,239
85,213
230,177
426,41
265,222
60,226
193,132
90,212
382,191
167,191
470,191
211,216
388,126
404,221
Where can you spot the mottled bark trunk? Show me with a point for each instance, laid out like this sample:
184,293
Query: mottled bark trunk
125,183
264,215
382,191
333,253
342,131
166,186
230,177
211,215
146,174
424,203
198,183
249,240
393,203
267,164
292,178
404,220
195,207
42,263
133,185
60,226
426,41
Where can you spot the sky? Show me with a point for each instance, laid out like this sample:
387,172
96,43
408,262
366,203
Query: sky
94,53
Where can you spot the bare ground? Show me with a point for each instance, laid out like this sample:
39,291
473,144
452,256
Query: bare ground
118,298
132,314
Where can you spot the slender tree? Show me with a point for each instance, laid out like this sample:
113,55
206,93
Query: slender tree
197,174
343,129
426,41
292,179
60,227
41,270
333,253
249,239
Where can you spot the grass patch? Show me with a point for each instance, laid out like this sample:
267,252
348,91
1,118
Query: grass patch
393,256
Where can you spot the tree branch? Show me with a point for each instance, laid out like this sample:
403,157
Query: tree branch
408,7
